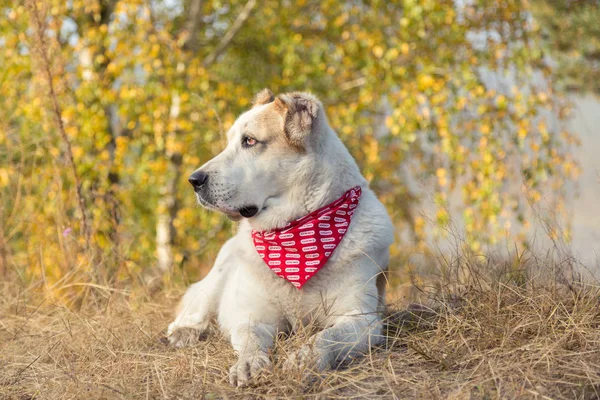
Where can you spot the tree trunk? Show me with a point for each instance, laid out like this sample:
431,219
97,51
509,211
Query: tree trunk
168,204
193,24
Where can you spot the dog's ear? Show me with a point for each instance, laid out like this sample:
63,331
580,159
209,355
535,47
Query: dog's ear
301,112
263,97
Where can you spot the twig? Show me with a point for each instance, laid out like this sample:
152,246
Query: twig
18,376
3,245
42,47
353,83
229,35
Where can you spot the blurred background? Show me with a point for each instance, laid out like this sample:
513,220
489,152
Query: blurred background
476,123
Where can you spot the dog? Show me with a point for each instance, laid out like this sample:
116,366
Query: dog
284,162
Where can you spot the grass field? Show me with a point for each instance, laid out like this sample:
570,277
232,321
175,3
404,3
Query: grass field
513,332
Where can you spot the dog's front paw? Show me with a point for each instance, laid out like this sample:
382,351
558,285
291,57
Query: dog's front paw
307,358
184,337
248,367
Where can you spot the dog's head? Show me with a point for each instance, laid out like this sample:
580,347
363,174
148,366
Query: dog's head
268,149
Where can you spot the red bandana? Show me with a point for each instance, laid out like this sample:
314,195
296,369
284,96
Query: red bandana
299,250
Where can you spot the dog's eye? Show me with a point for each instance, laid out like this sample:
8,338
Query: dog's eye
248,141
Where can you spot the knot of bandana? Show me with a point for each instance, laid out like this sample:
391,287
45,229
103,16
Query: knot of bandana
299,250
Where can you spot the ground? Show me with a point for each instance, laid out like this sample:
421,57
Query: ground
505,340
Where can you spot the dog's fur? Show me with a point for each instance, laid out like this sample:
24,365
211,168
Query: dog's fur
298,165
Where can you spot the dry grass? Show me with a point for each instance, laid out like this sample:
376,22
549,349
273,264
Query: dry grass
518,335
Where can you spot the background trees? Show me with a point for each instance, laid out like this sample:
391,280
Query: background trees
572,32
455,96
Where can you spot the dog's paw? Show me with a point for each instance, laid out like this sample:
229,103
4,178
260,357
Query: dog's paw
247,368
305,360
184,337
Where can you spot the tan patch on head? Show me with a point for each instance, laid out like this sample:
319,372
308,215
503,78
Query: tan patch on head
289,118
269,125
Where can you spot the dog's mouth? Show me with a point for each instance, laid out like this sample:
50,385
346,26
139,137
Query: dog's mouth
248,211
244,212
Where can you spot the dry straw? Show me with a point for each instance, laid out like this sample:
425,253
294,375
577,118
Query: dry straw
500,330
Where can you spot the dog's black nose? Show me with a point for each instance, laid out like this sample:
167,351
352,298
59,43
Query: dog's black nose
198,178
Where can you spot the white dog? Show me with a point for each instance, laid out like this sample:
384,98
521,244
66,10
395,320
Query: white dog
282,162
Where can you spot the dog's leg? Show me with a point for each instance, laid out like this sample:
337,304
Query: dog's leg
352,321
201,301
351,335
252,343
250,315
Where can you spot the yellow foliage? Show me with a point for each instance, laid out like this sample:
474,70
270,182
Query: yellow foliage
425,82
400,82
